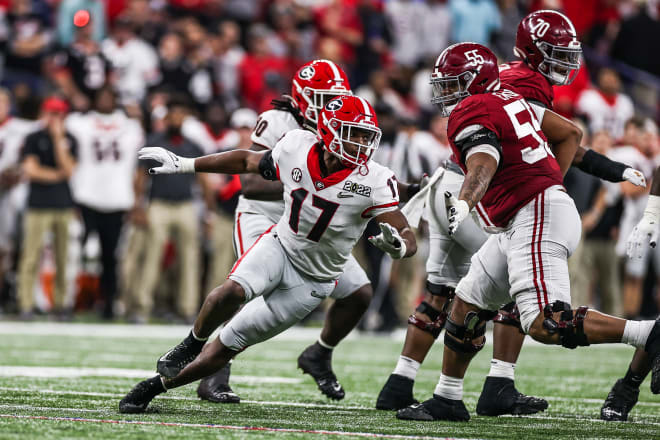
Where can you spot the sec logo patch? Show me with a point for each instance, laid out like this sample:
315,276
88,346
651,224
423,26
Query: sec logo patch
296,175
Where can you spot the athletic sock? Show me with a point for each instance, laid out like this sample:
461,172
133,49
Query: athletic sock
633,379
197,338
500,368
160,379
636,333
449,387
325,345
407,367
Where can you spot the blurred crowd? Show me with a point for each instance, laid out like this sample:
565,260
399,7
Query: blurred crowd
84,227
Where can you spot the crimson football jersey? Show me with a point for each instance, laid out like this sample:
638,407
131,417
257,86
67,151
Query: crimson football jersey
526,167
529,83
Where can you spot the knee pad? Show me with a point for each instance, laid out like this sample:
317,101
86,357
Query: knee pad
459,337
509,315
438,319
570,326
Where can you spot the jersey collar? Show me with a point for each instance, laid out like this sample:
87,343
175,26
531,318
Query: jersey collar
320,182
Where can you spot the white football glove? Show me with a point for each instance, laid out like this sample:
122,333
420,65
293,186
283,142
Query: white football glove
171,163
646,231
634,176
389,241
457,211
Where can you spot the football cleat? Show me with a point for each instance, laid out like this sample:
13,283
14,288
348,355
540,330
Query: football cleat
171,363
318,364
436,408
137,400
499,396
215,388
621,399
397,393
653,349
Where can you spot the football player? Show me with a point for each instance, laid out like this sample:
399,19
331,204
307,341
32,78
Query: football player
625,392
260,206
331,190
550,52
512,171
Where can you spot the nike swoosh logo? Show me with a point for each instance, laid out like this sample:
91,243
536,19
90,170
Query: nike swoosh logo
342,195
175,159
164,357
336,387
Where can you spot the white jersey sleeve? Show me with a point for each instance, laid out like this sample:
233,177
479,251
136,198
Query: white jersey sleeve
271,126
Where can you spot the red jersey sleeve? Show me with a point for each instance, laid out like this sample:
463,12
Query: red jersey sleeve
527,82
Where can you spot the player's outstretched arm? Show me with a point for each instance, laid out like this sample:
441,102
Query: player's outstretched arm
564,136
646,231
257,188
481,168
396,238
230,162
605,168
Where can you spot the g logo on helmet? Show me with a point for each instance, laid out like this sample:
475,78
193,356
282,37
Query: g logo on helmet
334,105
307,73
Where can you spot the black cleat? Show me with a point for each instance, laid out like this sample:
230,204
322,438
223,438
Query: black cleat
137,400
215,388
621,399
436,408
171,363
499,396
653,349
317,362
397,393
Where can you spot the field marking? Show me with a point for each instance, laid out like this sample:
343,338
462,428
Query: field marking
229,427
284,403
69,372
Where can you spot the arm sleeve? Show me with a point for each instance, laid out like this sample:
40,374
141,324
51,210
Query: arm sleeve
268,168
602,167
479,139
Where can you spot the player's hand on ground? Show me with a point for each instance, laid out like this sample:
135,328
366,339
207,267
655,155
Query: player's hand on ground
170,162
634,176
457,211
645,233
389,241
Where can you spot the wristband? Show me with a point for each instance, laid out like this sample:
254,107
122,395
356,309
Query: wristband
187,165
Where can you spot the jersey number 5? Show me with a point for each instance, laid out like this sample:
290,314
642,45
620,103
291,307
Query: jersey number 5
530,154
327,208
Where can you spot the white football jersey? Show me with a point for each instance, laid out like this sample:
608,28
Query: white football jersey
199,133
12,134
605,116
271,126
107,157
324,217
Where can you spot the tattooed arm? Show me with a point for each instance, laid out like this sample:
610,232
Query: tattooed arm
481,168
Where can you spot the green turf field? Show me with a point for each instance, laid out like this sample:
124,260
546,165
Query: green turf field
65,381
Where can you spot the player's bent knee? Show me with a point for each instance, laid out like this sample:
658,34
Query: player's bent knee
470,336
434,306
229,291
509,315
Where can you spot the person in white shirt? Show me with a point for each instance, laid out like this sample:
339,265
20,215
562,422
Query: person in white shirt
102,184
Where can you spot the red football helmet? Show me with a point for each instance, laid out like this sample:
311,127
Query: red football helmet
547,42
349,129
316,83
462,70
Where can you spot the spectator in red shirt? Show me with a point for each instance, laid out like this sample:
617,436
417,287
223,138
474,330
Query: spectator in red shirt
340,20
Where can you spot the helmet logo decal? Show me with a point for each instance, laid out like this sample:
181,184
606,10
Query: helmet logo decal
474,57
307,72
539,28
334,105
296,175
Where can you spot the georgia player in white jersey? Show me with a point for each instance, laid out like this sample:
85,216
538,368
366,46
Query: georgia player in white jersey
260,206
331,191
12,193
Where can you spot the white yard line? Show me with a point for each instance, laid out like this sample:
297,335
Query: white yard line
283,403
230,427
68,372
